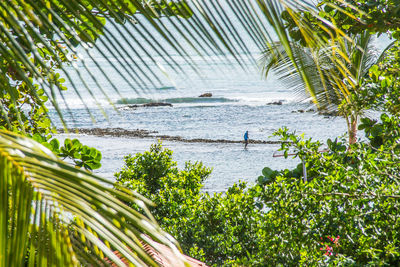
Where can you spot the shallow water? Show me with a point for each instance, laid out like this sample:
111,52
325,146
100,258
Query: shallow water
230,162
241,101
223,121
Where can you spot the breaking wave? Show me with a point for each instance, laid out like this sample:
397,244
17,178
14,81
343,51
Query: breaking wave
175,100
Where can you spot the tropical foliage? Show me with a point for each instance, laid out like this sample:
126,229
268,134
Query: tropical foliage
377,16
381,89
218,229
335,92
350,196
344,214
54,214
334,72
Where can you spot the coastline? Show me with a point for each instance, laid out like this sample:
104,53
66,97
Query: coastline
230,162
140,133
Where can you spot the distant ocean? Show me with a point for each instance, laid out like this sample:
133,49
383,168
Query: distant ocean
240,101
242,104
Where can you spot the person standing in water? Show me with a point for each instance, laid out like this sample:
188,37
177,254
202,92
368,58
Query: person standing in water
246,139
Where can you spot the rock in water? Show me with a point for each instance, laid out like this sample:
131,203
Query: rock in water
206,95
280,102
153,104
157,104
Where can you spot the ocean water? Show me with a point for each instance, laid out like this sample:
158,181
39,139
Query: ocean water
224,120
241,100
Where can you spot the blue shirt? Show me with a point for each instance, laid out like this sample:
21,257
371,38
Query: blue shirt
246,135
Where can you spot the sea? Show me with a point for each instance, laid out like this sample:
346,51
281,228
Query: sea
242,100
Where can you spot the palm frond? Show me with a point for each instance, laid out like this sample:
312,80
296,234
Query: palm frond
52,213
329,70
36,35
315,65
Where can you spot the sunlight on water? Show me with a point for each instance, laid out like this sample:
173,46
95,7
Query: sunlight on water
241,100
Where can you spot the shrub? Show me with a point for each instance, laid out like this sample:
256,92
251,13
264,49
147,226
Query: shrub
217,228
350,193
346,213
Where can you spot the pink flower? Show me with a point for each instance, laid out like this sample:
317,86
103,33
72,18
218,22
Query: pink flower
326,245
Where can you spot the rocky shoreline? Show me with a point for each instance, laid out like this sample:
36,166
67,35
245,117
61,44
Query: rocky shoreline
138,133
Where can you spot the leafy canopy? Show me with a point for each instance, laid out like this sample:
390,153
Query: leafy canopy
52,213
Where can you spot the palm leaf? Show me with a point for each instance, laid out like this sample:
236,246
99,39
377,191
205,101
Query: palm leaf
314,65
166,28
54,214
75,217
330,72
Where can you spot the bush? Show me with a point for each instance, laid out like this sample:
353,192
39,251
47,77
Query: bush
346,213
217,229
155,175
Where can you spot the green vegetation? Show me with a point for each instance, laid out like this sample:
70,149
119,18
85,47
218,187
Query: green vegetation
218,229
345,213
52,213
317,68
350,194
40,39
336,93
379,16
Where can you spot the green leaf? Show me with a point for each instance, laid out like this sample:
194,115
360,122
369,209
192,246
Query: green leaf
376,131
55,145
267,172
62,214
